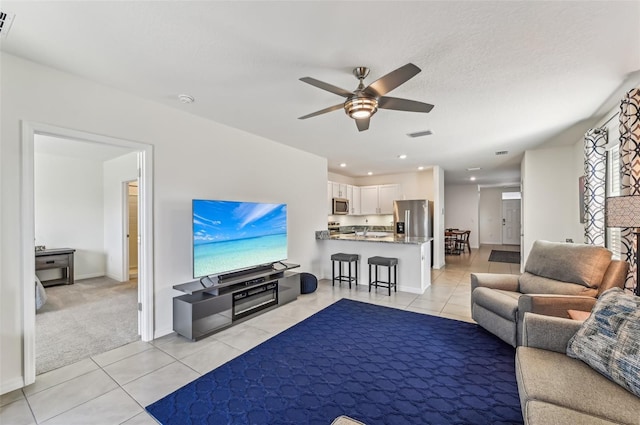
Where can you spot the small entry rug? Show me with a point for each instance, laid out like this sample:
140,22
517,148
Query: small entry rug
504,256
375,364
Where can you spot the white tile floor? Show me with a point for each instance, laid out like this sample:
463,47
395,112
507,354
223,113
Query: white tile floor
114,387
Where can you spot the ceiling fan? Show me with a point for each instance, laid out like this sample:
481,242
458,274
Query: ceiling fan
362,103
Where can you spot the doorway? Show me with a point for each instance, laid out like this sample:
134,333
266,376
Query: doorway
143,162
511,221
131,236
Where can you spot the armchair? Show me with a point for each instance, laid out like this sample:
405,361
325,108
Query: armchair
557,277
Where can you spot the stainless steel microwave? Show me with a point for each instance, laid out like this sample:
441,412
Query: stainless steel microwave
340,206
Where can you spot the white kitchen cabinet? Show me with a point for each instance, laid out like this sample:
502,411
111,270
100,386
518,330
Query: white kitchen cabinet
368,200
339,190
364,200
387,193
354,201
378,199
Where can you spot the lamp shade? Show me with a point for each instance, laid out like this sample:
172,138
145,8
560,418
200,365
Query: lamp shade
623,211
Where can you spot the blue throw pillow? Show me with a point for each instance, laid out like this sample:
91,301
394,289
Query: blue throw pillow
609,340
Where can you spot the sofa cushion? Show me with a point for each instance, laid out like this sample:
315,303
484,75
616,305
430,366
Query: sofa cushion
575,263
609,340
532,284
541,413
503,303
557,379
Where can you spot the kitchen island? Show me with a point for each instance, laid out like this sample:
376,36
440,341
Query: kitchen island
413,254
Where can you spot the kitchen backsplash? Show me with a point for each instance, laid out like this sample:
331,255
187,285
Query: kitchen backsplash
363,220
361,228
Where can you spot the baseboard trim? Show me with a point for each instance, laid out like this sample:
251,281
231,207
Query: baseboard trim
88,276
11,385
161,332
114,277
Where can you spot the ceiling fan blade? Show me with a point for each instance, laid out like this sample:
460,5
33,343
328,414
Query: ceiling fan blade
326,86
323,111
384,85
403,104
363,124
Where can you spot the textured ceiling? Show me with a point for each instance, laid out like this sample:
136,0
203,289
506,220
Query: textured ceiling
502,75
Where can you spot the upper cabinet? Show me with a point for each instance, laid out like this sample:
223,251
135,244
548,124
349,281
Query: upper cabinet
354,200
339,190
378,199
330,197
344,191
387,193
365,200
368,200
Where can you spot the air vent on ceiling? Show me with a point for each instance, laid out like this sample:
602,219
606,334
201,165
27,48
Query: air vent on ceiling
5,23
420,133
502,152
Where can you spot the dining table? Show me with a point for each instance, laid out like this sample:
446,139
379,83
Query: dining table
453,239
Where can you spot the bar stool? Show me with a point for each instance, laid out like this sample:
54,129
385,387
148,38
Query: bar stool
384,262
344,258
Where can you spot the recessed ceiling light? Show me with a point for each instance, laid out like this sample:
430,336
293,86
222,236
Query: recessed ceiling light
421,168
185,98
472,178
474,169
369,173
343,165
403,156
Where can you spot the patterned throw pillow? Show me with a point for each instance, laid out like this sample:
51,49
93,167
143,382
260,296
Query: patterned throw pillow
609,340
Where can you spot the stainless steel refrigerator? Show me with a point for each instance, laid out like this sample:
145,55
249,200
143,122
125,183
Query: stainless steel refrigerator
413,218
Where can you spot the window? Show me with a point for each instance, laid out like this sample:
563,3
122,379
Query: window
511,195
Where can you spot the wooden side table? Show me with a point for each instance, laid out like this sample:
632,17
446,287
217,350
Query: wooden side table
61,258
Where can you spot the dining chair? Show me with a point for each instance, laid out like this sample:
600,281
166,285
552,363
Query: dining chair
462,242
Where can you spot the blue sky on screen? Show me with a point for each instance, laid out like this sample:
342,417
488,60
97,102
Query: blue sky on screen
215,221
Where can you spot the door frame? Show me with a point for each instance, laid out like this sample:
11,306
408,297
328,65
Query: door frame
27,224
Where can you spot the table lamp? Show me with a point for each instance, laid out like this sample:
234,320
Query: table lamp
624,211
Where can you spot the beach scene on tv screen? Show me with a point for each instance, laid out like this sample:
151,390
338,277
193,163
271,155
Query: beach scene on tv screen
230,235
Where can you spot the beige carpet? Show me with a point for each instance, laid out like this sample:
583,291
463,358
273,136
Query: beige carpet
87,318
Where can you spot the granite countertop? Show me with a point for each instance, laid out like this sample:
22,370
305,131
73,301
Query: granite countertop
380,239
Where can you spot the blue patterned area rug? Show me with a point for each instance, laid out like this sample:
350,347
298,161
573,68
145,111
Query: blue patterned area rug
376,364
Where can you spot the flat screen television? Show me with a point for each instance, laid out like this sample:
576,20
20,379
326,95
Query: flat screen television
230,236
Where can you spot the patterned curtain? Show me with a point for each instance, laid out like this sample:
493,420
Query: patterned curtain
630,170
595,183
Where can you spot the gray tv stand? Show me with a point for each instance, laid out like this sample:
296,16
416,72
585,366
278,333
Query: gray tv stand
210,306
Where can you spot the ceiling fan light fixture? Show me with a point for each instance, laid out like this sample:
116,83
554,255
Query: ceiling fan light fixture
360,107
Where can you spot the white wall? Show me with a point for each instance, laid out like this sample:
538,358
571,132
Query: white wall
193,158
550,197
339,178
438,218
490,214
462,209
364,220
68,209
116,172
418,185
